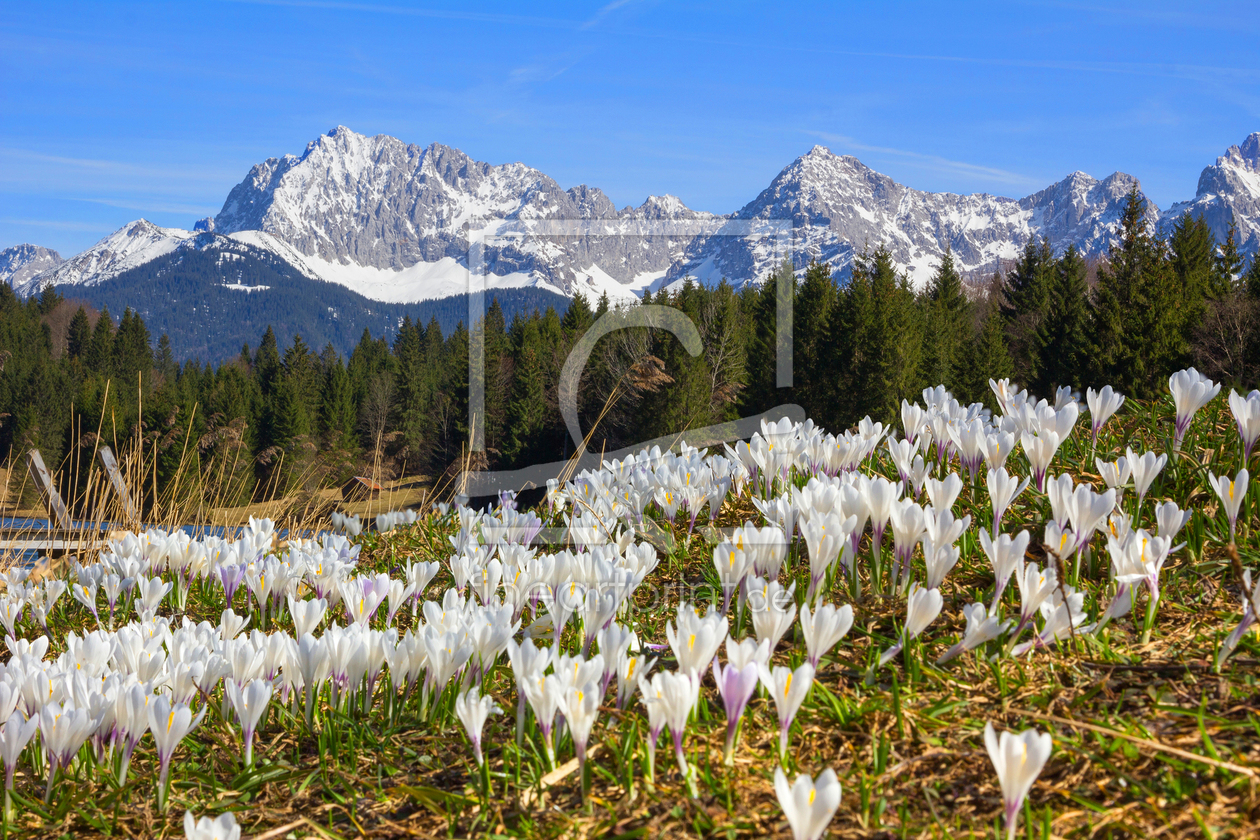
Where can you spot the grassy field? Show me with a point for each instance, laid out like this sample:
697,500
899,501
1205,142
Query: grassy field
1150,739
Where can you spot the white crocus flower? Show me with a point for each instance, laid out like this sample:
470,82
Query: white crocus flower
732,565
879,494
1018,760
789,689
1035,586
1062,619
823,629
581,708
545,694
1040,450
1144,471
908,528
1247,415
809,804
695,640
631,665
63,729
942,493
1102,405
922,608
1006,553
739,654
982,626
170,724
773,609
998,447
1171,519
306,615
1232,492
250,704
670,697
17,733
1004,489
1191,391
1115,474
472,708
222,827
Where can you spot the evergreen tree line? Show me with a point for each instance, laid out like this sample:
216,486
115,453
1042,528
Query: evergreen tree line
283,415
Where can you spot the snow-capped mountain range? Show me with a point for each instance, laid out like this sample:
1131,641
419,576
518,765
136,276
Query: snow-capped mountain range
397,223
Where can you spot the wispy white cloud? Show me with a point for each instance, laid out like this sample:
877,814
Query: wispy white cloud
414,11
604,12
54,224
934,162
153,206
76,176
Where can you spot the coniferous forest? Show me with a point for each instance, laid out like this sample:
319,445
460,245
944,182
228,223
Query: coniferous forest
285,412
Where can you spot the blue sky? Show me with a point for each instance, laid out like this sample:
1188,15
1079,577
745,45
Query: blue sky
115,111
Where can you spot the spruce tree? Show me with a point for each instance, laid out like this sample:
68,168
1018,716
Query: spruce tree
1191,251
267,366
1251,281
1062,340
79,335
132,353
336,408
1027,298
1137,326
1227,265
527,403
100,355
762,391
987,356
812,383
164,360
49,299
888,328
948,324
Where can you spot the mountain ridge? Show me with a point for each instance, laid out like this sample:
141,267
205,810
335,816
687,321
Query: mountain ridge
398,222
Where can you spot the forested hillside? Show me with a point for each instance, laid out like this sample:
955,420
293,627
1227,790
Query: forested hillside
293,409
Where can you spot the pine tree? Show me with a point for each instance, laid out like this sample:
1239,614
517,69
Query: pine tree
527,403
887,328
578,317
100,353
79,335
764,302
986,356
948,324
812,385
1062,340
1251,281
267,367
49,299
132,353
1191,250
164,359
1027,298
1137,327
1227,265
336,408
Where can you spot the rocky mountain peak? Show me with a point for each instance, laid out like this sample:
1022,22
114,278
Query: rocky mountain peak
22,262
